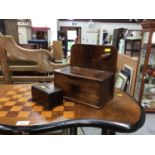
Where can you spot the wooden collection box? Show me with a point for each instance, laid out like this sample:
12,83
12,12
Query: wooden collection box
47,95
90,78
87,86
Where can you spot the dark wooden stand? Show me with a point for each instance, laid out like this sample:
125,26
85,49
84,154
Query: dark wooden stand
90,79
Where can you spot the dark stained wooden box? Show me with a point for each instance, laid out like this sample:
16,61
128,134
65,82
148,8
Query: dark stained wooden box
86,86
47,95
90,79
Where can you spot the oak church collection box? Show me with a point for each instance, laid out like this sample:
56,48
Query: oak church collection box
90,78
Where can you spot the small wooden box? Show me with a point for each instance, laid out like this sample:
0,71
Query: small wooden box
86,86
47,95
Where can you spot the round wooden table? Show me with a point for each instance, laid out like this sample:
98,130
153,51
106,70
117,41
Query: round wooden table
19,114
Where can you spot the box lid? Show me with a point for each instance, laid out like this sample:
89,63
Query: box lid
46,87
90,74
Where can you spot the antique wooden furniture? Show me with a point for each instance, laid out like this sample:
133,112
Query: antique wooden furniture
20,115
40,36
47,95
40,43
57,51
94,57
90,79
9,27
145,82
132,45
117,35
40,56
90,87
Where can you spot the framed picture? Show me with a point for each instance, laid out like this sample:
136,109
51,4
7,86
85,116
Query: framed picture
129,72
121,81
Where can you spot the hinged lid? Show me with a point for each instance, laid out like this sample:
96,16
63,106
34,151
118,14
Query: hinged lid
85,73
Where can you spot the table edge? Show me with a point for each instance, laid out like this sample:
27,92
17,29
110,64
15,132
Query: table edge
43,128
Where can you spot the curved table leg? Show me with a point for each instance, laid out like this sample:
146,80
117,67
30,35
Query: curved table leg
107,132
73,131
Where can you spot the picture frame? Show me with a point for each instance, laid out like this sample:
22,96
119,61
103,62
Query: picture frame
129,71
121,81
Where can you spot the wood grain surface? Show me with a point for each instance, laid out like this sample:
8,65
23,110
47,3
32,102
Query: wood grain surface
121,108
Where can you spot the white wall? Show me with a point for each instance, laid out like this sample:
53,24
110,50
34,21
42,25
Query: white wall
47,22
54,25
83,25
101,26
24,33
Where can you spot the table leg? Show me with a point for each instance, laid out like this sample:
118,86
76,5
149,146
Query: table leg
73,131
25,133
107,132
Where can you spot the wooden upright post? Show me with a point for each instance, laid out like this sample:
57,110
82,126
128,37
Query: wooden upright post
5,66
